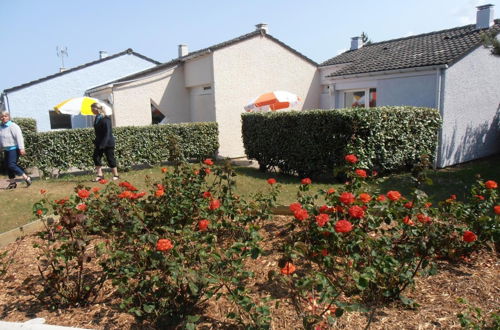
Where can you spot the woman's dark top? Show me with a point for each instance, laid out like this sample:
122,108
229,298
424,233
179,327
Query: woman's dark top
103,133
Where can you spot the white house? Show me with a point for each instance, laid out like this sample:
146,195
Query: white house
449,70
213,84
37,98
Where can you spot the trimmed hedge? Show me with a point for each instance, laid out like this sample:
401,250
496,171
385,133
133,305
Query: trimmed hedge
62,150
315,141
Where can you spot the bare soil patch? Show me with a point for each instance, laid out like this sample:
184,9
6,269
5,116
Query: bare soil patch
476,280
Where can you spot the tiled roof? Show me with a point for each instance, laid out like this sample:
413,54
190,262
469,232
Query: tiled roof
125,52
207,51
435,48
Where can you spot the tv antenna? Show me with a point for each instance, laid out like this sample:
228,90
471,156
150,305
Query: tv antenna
61,52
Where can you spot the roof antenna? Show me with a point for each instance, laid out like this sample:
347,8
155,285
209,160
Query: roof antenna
61,52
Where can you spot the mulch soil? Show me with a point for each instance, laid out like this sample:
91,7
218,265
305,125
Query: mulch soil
476,280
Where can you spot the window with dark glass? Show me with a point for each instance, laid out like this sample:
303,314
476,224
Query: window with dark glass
59,120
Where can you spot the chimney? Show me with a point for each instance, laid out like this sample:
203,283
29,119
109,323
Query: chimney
262,27
62,69
103,54
356,43
183,50
484,16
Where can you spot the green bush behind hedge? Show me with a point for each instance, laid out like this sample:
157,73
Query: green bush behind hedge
135,145
315,141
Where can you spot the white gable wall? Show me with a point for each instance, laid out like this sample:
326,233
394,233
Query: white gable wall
36,100
199,81
132,101
471,109
250,68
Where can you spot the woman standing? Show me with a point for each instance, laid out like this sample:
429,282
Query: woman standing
104,142
12,144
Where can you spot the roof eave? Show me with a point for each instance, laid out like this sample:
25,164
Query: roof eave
388,72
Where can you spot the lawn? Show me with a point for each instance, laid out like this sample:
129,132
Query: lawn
16,208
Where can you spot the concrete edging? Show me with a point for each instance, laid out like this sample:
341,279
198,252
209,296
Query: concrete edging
24,230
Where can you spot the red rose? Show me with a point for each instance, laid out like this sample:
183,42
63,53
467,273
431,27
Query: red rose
59,227
393,195
339,209
351,159
82,207
126,194
324,208
381,198
356,212
408,205
163,170
490,184
95,189
301,214
103,181
347,198
322,219
214,204
330,191
39,212
422,218
43,191
374,173
288,269
343,226
271,181
306,181
453,197
208,162
164,244
159,192
196,172
295,206
138,195
361,173
469,236
208,171
207,194
203,224
479,197
83,193
61,201
427,205
324,252
160,186
365,198
408,221
496,209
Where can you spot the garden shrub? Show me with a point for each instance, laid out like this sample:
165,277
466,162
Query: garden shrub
168,250
364,249
315,141
150,145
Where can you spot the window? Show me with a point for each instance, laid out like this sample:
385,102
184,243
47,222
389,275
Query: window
357,99
59,120
156,115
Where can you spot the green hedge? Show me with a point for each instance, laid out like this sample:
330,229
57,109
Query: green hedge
315,141
62,150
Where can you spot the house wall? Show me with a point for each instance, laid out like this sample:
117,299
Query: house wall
471,109
247,69
36,100
417,89
132,101
200,83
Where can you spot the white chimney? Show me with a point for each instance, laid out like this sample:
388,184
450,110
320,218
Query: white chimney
262,27
356,43
183,50
103,54
484,16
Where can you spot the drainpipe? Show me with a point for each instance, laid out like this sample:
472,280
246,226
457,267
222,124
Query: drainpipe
439,105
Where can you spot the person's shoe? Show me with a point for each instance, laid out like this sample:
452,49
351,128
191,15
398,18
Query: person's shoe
12,185
116,177
28,181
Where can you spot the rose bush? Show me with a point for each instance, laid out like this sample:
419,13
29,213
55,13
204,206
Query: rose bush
357,250
168,250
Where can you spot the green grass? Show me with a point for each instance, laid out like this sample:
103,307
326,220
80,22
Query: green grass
16,205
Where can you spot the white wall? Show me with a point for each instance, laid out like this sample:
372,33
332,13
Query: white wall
471,108
250,68
417,89
132,101
36,100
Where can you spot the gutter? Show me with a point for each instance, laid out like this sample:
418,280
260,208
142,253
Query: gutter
439,105
387,72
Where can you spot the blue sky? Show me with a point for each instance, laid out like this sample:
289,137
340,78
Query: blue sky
30,30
